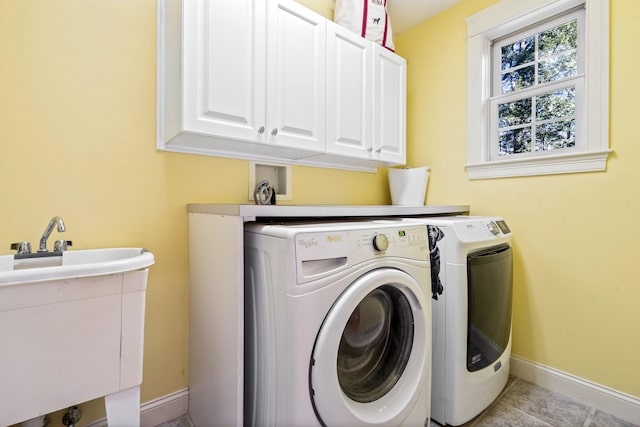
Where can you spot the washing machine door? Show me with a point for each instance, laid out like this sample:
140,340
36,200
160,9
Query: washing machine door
371,353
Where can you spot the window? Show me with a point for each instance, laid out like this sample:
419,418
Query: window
536,103
537,88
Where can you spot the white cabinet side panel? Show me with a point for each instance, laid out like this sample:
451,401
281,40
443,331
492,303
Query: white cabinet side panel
216,300
168,69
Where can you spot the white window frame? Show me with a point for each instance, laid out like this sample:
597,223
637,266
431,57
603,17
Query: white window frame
509,16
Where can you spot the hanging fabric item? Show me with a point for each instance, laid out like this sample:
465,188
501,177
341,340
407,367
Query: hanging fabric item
369,18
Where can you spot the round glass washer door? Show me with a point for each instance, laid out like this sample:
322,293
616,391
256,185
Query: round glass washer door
370,354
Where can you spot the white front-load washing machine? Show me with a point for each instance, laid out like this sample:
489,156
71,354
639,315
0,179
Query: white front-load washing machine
337,324
472,280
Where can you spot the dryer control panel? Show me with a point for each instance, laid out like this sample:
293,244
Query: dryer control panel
476,230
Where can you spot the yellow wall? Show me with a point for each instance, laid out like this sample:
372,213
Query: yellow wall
77,139
577,291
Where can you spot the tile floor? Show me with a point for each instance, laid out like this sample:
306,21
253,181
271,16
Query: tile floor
182,421
521,404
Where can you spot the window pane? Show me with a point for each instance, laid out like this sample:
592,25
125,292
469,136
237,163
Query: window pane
556,105
514,113
515,141
518,53
558,39
532,117
556,135
518,79
558,67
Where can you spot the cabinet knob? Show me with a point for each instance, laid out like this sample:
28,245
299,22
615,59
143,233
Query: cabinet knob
274,132
379,150
261,129
370,149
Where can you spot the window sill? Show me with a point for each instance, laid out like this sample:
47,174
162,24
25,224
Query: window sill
545,165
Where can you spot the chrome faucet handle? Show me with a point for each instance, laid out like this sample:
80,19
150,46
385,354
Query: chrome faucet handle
21,247
61,245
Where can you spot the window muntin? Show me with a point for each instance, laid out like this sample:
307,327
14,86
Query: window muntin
538,77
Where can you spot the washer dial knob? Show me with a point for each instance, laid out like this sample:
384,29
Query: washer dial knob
380,242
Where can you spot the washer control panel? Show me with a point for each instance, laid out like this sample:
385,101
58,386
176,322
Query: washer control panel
324,249
357,245
404,242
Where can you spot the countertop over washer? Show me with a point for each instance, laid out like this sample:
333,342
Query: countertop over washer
252,212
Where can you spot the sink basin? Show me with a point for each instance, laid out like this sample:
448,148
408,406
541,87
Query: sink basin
72,330
71,264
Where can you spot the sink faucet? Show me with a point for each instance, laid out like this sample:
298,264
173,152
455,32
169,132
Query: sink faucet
56,220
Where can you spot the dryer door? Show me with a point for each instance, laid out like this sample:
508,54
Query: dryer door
370,358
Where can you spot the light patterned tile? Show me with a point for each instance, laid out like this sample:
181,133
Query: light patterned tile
500,415
600,419
551,407
183,421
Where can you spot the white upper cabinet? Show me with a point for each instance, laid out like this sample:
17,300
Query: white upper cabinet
349,93
223,49
241,78
389,105
296,84
273,80
366,99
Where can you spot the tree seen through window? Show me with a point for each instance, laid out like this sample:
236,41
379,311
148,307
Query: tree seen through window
539,121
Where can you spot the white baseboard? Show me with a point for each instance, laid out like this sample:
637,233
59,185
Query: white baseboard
621,405
165,408
158,411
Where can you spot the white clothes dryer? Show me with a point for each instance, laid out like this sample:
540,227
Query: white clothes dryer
337,324
472,280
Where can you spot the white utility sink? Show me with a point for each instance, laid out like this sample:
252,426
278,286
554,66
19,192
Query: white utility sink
71,264
72,330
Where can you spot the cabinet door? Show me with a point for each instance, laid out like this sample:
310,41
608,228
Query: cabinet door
223,70
349,93
389,106
295,76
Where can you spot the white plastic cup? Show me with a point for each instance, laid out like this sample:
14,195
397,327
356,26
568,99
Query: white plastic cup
408,186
